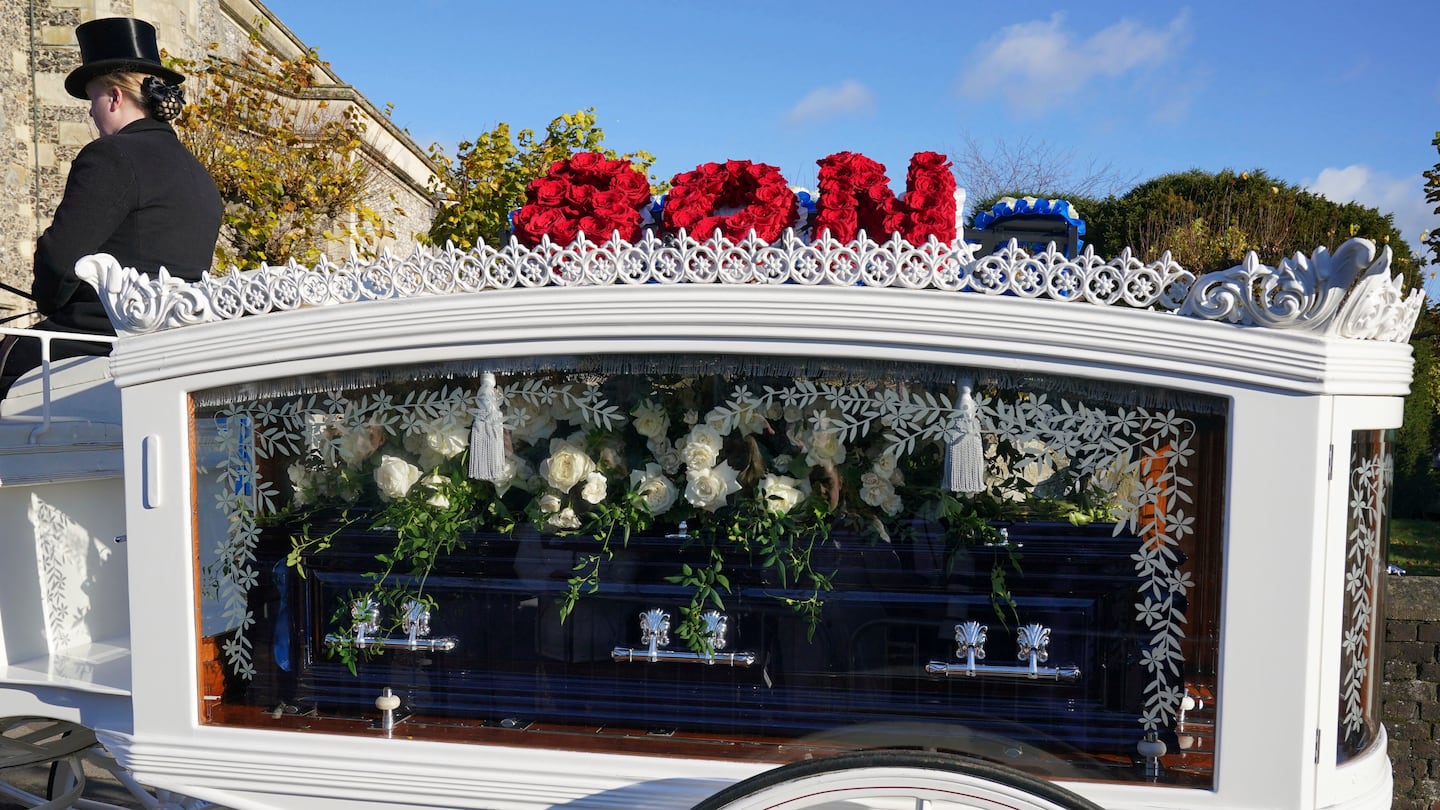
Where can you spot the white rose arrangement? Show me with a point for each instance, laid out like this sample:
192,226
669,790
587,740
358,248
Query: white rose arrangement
781,493
702,447
595,486
654,488
708,488
768,472
437,441
394,477
567,465
651,421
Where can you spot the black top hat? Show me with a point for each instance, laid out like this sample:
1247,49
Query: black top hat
113,44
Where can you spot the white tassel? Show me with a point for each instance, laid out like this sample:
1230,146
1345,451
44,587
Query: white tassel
964,451
487,434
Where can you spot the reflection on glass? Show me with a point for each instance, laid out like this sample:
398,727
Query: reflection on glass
776,555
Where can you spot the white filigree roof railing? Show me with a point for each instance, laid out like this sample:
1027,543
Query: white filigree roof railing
1349,293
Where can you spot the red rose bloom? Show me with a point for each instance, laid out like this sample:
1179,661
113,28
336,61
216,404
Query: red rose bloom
758,190
586,192
548,192
855,195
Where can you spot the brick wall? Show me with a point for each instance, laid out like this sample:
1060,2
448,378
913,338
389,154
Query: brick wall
1410,703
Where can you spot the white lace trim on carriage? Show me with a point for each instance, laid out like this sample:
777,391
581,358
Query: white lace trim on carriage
1349,293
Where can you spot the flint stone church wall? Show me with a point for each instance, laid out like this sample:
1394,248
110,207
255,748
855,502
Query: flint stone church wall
1410,700
42,128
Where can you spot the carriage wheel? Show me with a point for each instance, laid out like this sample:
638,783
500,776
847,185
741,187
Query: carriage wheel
65,775
904,780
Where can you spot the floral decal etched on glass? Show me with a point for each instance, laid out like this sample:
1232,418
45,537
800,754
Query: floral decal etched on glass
762,465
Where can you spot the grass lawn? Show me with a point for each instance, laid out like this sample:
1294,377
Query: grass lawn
1415,546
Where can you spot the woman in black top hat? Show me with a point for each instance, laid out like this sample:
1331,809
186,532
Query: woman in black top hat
135,192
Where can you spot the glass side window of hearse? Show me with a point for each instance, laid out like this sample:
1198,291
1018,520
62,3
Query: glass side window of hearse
1366,527
789,556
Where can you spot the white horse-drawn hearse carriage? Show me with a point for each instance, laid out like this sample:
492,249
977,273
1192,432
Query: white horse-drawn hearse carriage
670,522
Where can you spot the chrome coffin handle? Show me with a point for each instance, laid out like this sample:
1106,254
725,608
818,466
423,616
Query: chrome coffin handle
1032,644
414,620
655,634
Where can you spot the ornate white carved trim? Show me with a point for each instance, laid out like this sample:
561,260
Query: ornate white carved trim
138,303
1308,294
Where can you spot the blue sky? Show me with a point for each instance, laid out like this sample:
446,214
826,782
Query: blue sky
1340,97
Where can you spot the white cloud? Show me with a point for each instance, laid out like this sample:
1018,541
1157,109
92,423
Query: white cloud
1035,65
847,98
1402,196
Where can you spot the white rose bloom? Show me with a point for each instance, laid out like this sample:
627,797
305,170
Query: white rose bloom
791,413
699,456
781,493
564,519
567,465
750,422
594,491
692,416
666,454
892,503
395,476
708,488
651,421
447,438
716,419
509,475
436,482
825,449
702,447
874,489
885,464
610,458
654,488
300,480
358,445
549,503
783,461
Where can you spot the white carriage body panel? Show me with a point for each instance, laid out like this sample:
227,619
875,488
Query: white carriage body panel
1293,399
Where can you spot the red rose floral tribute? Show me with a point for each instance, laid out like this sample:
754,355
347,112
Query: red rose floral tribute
855,195
734,197
599,196
586,192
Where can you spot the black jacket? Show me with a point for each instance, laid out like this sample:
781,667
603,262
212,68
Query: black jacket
138,195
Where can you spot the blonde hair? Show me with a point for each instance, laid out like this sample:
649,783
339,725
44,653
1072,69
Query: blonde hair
163,106
127,81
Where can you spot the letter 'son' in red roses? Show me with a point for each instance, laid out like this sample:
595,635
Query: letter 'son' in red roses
588,192
754,196
855,195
